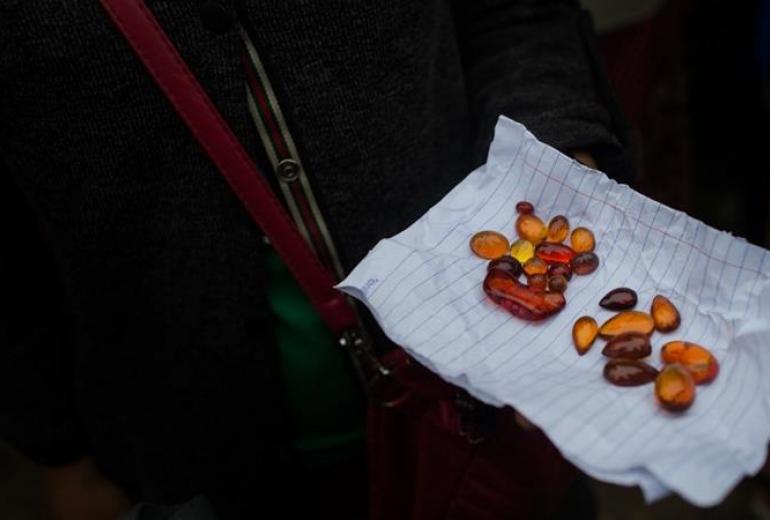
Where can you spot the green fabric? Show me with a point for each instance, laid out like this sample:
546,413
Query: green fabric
324,398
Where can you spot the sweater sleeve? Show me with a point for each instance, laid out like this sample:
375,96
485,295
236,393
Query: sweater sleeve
36,400
535,61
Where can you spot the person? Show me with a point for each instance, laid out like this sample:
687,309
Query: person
153,342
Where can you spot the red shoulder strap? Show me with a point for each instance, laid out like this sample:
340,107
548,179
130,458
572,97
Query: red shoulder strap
164,63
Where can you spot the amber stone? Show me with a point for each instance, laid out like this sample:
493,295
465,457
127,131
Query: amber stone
550,253
619,299
665,314
489,244
535,266
585,263
582,240
558,229
698,360
672,351
675,388
524,207
557,268
557,283
538,282
625,322
584,333
629,372
506,263
522,250
520,300
530,227
628,346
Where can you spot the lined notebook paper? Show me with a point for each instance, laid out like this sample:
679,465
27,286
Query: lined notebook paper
424,287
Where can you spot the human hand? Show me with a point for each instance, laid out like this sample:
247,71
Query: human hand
80,492
585,158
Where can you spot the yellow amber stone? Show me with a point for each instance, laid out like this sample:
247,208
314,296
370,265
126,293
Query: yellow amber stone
584,333
558,229
627,321
522,250
665,314
530,227
582,240
489,244
535,266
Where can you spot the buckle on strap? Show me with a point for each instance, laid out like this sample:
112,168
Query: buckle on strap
369,367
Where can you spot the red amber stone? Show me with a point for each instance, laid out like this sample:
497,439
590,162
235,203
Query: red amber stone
538,282
631,345
585,263
506,263
558,268
550,253
524,207
629,372
520,300
620,299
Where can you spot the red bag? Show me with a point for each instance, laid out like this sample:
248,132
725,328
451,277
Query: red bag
436,453
433,451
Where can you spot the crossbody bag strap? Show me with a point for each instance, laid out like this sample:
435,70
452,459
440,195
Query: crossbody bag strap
162,60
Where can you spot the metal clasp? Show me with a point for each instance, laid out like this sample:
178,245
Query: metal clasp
369,367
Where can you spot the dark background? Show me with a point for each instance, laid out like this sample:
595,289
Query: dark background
693,78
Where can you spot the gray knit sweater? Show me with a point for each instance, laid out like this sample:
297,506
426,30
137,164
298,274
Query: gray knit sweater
136,327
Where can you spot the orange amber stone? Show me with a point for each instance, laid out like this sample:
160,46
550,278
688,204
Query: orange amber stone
584,333
522,250
557,282
537,282
699,361
520,300
530,227
582,240
625,322
552,253
524,207
585,263
535,266
558,229
489,244
672,351
675,388
665,314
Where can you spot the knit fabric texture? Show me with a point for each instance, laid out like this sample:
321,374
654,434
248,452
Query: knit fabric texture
136,328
